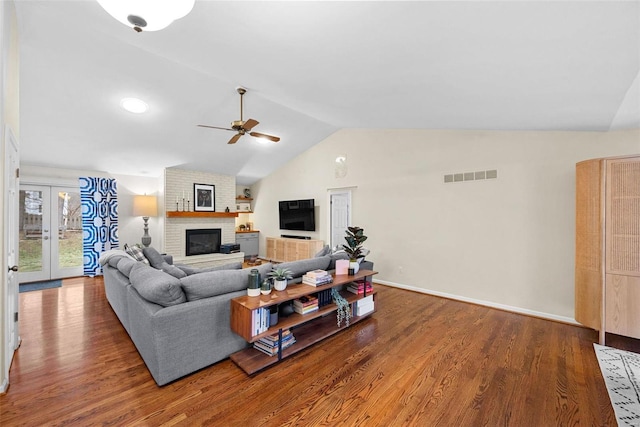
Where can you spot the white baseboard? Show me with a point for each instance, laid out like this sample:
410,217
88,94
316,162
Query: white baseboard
4,386
491,304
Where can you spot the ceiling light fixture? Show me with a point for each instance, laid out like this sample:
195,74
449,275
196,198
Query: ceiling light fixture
134,105
147,15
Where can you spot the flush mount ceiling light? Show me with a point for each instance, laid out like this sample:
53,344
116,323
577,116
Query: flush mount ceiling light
134,105
147,15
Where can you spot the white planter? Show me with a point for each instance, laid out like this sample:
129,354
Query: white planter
355,265
253,292
280,285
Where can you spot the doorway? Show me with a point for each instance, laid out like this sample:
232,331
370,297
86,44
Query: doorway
340,215
50,231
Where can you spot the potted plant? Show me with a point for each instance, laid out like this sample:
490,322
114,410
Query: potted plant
280,276
355,237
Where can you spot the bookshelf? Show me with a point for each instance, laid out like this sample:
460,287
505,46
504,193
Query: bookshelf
308,328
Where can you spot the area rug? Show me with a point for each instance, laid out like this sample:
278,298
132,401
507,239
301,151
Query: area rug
621,372
38,286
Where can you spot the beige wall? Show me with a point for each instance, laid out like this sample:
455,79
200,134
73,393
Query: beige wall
9,117
508,242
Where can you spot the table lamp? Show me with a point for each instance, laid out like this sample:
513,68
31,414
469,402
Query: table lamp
145,206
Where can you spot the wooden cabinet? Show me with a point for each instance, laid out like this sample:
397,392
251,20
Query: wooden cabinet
308,328
284,249
607,263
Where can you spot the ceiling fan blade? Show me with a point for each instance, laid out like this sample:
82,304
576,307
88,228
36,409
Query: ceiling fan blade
250,124
265,136
235,138
214,127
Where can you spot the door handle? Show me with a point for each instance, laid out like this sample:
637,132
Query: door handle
45,237
14,268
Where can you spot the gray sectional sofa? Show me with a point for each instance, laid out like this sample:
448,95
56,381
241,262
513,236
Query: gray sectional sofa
179,317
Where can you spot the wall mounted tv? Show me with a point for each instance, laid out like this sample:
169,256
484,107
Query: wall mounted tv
297,215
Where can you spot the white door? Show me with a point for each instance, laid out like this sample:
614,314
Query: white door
340,216
50,226
11,248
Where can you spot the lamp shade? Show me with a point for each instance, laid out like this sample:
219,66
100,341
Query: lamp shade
147,15
145,206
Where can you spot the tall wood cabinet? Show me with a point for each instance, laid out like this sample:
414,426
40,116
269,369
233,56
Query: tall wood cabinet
607,264
286,249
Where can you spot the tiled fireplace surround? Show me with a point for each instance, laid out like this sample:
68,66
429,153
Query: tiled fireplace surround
179,181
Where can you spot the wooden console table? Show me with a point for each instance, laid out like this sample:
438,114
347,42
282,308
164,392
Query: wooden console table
308,328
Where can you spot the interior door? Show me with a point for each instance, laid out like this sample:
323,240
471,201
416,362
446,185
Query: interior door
50,227
11,177
340,217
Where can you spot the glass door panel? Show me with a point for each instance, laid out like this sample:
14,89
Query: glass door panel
34,261
50,233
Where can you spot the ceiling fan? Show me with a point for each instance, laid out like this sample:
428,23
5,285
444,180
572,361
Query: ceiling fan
241,127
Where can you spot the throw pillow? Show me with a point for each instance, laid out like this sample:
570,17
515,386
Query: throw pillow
324,251
155,259
156,286
173,270
136,252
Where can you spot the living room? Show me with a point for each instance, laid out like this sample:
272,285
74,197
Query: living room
506,242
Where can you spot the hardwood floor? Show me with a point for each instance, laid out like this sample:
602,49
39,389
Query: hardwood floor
418,361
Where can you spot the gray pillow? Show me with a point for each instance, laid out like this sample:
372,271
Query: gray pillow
156,286
125,265
324,251
212,283
298,268
155,259
173,270
195,270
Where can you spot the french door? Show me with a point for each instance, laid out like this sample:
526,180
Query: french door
50,225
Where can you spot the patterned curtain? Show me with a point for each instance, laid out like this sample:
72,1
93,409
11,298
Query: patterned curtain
99,199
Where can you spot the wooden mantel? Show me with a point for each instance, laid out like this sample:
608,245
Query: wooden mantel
180,214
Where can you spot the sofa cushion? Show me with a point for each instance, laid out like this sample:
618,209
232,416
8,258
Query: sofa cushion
155,258
156,285
125,265
158,261
298,268
212,283
107,255
136,252
195,270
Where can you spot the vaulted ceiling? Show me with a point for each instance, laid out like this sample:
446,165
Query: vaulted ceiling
312,68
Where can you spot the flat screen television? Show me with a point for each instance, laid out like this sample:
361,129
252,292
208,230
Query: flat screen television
297,215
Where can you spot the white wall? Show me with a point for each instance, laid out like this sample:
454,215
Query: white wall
508,241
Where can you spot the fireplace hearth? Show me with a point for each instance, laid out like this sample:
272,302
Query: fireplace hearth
203,241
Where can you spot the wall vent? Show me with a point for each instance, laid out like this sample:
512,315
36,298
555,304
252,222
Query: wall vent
471,176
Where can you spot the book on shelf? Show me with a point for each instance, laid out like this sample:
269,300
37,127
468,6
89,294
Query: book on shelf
305,310
359,287
317,281
260,319
324,298
305,301
272,351
275,337
316,273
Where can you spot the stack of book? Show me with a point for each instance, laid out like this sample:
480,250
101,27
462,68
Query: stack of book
269,344
260,318
317,278
358,287
306,304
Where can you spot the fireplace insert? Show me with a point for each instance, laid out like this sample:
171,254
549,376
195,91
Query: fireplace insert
203,241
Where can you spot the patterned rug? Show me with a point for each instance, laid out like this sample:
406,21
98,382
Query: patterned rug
38,286
621,372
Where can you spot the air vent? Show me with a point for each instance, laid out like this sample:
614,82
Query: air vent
471,176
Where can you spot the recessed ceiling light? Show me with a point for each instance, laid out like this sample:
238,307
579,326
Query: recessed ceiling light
134,105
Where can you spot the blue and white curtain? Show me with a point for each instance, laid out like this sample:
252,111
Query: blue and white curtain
99,199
